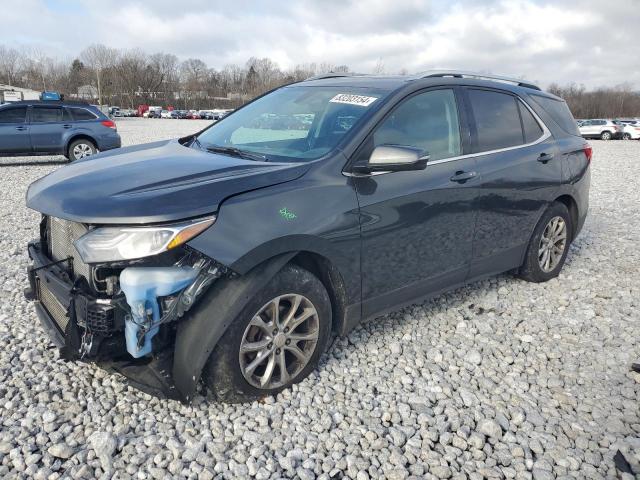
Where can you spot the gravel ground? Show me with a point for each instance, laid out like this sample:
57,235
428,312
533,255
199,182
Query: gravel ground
500,379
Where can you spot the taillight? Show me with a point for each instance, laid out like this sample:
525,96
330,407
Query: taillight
109,123
588,151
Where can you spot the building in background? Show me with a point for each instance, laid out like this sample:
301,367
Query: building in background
9,93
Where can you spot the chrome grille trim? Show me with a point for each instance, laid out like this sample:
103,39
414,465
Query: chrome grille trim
53,306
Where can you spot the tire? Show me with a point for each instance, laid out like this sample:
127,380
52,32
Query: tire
626,136
605,136
536,268
81,148
227,373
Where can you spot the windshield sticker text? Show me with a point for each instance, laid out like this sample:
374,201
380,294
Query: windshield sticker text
350,99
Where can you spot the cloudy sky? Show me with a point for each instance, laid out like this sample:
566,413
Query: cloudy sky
546,41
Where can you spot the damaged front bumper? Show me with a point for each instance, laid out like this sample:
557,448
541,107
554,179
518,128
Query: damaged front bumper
132,331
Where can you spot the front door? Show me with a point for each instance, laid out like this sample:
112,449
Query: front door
14,131
417,226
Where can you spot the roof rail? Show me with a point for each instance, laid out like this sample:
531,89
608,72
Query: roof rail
329,75
464,74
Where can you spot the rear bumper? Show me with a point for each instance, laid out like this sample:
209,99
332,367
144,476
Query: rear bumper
109,142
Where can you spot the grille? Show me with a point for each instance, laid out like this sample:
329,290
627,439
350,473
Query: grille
62,234
53,306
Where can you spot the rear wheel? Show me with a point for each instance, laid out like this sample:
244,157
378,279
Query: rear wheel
549,244
626,136
276,340
80,149
605,136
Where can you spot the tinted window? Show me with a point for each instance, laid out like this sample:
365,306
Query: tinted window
530,126
496,118
13,115
560,113
81,114
428,121
46,114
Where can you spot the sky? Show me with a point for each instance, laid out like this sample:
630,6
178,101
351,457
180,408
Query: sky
558,41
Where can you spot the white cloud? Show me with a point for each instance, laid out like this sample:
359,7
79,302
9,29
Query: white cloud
547,41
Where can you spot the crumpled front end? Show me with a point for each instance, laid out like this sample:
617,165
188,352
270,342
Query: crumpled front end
122,315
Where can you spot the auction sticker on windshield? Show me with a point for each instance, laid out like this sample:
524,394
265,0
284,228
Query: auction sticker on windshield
350,99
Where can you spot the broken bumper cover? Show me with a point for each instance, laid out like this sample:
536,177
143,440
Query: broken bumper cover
63,309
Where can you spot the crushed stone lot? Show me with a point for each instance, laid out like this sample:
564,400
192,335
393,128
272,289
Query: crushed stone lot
499,379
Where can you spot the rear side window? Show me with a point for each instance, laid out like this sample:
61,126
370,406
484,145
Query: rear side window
496,118
13,115
530,126
559,111
46,114
82,114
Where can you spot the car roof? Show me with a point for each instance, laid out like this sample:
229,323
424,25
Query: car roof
59,103
430,78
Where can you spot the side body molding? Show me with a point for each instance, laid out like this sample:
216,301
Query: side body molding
198,335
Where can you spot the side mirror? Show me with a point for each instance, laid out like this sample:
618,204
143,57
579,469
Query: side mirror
394,158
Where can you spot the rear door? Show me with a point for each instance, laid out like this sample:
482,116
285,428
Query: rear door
47,128
14,130
520,170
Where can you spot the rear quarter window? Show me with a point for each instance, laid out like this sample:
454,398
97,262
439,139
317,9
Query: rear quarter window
82,114
559,111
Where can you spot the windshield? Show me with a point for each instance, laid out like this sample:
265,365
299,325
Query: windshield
293,123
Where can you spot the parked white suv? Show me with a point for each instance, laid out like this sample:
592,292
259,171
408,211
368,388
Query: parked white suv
602,129
631,129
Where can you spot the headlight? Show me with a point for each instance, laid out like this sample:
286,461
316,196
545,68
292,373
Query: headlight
112,244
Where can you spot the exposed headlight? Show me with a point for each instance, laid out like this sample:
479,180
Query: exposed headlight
112,244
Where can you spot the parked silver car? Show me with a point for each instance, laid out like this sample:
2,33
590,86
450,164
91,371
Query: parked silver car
604,129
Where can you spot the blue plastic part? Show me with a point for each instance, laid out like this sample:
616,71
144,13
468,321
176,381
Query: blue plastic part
142,286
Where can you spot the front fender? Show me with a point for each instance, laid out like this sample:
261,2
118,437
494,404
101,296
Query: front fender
197,335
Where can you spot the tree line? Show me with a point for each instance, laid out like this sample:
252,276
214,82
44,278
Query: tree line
619,101
128,78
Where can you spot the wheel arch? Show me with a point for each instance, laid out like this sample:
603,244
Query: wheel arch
569,202
79,136
331,278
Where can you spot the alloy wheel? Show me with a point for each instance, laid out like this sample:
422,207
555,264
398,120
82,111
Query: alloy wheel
606,136
279,341
82,150
552,244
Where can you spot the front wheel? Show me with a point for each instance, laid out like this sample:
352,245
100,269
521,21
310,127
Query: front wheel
549,244
80,149
276,340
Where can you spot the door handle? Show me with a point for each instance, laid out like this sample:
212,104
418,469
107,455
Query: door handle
67,126
462,177
21,128
545,157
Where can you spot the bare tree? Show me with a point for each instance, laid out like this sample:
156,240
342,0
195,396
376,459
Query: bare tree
9,64
98,58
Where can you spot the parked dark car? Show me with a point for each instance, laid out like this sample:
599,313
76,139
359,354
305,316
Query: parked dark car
74,130
232,255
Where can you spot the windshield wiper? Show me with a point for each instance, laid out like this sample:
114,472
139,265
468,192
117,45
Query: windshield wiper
236,152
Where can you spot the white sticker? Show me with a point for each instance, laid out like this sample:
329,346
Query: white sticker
351,99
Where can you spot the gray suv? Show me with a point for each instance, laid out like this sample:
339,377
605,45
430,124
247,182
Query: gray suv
75,130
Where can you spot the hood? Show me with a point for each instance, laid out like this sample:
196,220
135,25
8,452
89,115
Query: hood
155,182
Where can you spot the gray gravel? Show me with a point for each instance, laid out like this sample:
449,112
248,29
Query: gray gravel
500,379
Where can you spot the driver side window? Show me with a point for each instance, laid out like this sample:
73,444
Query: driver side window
428,121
